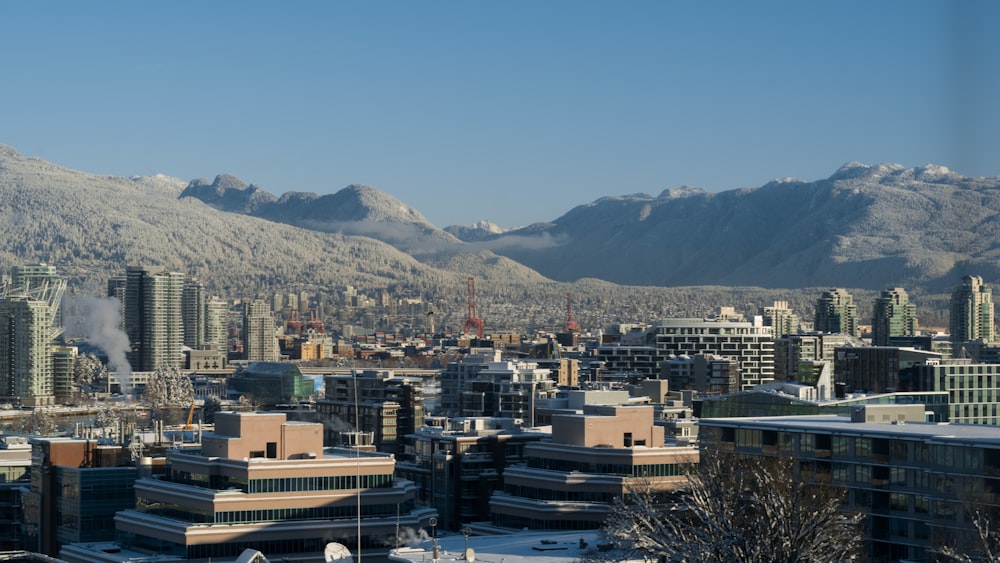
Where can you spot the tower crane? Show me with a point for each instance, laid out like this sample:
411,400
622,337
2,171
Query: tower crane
472,318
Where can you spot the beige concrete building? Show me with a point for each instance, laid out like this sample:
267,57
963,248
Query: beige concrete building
265,483
569,482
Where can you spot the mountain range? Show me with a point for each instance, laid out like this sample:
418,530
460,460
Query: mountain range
865,227
871,227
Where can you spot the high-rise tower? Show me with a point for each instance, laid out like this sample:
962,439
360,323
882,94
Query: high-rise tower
154,320
971,311
837,313
259,331
893,315
193,311
217,325
781,318
28,312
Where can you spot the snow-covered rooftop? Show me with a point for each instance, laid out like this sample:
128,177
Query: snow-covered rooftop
521,547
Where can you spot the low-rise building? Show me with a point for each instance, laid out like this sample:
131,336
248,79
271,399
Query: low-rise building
265,483
272,383
77,486
973,388
569,481
915,481
459,464
378,401
15,474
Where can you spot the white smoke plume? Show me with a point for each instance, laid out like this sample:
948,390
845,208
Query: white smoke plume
408,537
98,319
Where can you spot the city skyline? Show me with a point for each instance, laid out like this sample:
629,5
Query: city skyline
513,114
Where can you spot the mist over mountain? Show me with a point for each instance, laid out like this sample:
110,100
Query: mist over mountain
478,231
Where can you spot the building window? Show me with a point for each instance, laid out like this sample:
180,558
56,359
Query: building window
839,445
807,443
862,447
748,438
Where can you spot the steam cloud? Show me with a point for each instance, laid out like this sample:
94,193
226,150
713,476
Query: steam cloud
98,319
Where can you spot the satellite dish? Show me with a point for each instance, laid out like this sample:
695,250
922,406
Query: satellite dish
470,554
337,552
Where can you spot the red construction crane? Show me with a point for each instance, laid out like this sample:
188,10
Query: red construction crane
473,319
571,324
314,323
294,322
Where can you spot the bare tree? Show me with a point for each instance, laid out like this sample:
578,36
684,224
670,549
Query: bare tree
740,509
980,542
43,423
984,545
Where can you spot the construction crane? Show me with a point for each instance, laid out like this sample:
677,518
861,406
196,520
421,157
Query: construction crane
187,425
571,324
472,319
294,322
314,323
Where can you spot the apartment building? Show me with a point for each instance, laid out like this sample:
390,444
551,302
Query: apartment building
914,481
751,344
153,316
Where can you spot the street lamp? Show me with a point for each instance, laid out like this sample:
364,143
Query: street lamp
433,523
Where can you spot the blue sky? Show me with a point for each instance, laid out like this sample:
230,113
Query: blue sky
511,111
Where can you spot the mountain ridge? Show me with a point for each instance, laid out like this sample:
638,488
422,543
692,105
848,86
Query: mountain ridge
864,227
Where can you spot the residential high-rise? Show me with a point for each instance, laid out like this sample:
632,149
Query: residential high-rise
217,325
193,311
41,280
259,332
25,362
971,312
154,320
893,315
34,277
781,318
836,313
28,328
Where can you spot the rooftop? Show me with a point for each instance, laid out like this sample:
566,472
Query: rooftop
522,547
941,431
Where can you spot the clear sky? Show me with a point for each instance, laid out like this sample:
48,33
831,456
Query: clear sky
512,111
